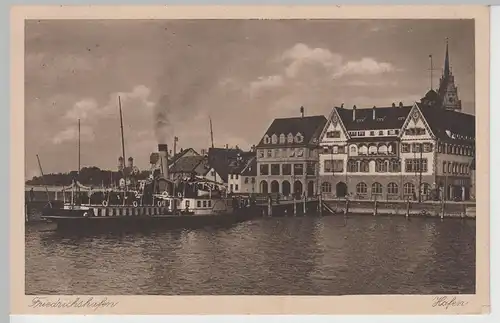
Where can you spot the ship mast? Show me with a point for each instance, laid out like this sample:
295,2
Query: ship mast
79,164
211,133
123,143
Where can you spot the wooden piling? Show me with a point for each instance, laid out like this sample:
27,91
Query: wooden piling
269,207
407,208
346,207
294,206
320,205
304,205
375,207
442,210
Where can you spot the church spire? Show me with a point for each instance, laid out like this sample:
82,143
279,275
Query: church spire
446,61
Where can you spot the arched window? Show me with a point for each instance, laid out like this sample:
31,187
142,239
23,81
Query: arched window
290,138
364,166
363,150
299,138
267,140
372,150
326,187
361,188
282,138
409,189
274,139
353,149
352,166
382,149
381,166
376,188
392,188
394,166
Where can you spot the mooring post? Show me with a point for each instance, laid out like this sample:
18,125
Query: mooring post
304,205
320,205
346,207
442,210
26,218
407,208
375,207
294,206
269,207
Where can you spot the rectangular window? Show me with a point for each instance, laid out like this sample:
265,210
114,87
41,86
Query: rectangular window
204,203
405,148
311,168
335,149
209,203
231,188
333,134
372,133
341,149
236,176
381,133
269,153
416,165
298,169
264,169
275,169
236,188
416,147
326,150
427,147
286,169
261,153
198,203
328,166
361,133
444,167
231,176
212,173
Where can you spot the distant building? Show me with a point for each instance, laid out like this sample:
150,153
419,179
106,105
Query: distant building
243,174
218,161
287,156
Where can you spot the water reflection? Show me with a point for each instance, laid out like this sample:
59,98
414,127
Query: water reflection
268,256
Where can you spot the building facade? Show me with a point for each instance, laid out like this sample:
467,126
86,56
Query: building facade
399,152
243,175
287,156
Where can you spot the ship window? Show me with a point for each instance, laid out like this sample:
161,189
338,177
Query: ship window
204,203
198,204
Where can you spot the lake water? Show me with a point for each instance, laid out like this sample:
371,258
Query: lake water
266,256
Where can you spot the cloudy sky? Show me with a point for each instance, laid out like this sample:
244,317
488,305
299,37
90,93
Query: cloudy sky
240,73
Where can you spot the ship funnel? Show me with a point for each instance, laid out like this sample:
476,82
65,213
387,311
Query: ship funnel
163,152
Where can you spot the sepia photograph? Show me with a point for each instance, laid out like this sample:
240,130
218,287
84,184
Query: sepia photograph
264,157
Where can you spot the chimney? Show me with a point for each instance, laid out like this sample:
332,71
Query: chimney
121,163
302,112
374,108
393,104
130,162
163,152
400,104
342,106
354,113
175,144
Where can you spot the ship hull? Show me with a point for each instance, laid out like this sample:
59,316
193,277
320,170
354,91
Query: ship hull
75,221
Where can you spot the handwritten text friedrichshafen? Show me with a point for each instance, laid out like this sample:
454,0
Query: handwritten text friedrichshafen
91,302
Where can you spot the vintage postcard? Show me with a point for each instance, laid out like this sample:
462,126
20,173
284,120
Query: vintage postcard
250,160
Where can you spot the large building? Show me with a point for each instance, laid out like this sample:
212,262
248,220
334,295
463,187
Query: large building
287,156
397,152
243,174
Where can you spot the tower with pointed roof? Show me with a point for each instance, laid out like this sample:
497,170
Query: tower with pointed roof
448,92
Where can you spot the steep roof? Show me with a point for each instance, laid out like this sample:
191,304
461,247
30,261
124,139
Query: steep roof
250,168
310,127
243,165
220,158
178,155
186,164
449,125
385,117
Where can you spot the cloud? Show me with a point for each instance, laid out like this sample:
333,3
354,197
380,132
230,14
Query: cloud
83,109
265,82
365,66
71,134
300,56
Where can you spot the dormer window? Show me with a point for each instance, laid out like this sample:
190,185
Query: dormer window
299,138
282,138
274,139
267,140
290,138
